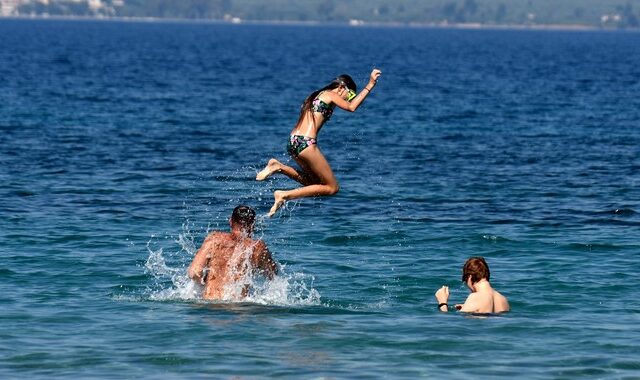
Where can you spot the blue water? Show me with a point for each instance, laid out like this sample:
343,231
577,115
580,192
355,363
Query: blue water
122,144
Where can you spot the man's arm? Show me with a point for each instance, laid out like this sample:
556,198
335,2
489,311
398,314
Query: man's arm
264,261
201,260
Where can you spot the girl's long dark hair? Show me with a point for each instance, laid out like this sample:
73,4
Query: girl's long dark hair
342,80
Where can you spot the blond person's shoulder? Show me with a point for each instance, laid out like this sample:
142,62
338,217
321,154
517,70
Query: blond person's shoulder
500,302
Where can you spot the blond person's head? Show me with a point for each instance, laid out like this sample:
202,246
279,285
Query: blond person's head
477,268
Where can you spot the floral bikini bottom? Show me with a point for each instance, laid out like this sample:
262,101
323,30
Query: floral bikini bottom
298,143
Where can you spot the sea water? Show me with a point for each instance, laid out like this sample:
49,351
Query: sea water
123,144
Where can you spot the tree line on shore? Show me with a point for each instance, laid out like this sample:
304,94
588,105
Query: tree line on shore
615,13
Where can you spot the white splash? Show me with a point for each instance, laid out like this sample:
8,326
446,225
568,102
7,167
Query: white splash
169,271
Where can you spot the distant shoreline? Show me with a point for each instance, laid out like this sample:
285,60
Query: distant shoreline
352,23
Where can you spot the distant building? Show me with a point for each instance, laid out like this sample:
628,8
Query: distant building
98,8
9,7
612,19
94,5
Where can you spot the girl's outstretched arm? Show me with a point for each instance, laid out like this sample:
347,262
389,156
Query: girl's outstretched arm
355,103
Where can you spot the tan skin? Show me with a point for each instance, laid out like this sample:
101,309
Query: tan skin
483,298
317,176
224,257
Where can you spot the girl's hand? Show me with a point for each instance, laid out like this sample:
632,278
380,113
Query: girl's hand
375,74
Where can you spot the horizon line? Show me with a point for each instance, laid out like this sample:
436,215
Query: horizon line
350,23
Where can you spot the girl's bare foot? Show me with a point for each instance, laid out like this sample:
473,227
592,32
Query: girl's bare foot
272,166
279,201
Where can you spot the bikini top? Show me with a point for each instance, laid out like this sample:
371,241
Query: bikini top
319,106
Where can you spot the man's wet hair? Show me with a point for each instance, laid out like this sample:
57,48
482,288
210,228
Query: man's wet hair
477,268
243,216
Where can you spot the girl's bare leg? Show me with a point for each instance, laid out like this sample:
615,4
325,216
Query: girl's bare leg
275,166
314,162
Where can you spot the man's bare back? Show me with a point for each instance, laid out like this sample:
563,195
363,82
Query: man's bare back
485,300
226,262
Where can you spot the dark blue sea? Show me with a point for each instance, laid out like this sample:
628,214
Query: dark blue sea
123,143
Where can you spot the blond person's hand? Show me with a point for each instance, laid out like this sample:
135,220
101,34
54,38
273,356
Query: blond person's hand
442,295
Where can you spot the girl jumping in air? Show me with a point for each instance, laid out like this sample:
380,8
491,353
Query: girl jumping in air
316,175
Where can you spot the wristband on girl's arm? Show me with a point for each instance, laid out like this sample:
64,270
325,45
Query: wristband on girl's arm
443,304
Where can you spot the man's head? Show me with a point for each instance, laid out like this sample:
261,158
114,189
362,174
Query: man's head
477,268
243,217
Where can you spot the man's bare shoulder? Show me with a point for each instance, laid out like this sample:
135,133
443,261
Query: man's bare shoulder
218,235
259,248
261,245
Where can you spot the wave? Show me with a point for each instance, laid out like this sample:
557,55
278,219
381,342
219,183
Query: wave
457,116
618,211
495,238
621,211
617,222
346,239
596,246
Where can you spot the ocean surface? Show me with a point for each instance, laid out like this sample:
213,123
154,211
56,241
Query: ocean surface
122,144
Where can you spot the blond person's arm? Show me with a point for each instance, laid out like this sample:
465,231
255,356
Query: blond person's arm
442,296
471,304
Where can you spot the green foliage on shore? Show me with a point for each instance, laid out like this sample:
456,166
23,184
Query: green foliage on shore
610,13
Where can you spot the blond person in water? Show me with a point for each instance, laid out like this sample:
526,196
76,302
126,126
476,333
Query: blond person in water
226,260
483,298
316,175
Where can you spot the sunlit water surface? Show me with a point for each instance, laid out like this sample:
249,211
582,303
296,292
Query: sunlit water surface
123,144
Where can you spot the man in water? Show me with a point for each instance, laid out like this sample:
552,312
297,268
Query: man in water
227,261
483,298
